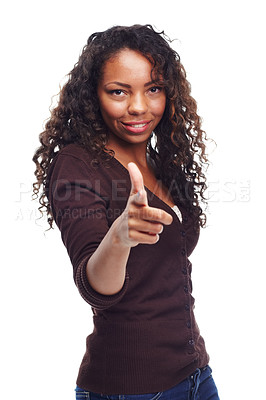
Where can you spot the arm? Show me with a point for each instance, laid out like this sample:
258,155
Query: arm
139,223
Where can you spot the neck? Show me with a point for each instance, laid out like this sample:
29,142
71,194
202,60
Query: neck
130,153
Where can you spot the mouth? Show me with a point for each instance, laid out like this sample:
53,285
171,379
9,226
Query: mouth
136,126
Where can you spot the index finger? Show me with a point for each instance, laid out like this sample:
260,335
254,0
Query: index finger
138,193
136,178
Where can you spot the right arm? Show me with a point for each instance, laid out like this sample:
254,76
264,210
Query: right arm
139,223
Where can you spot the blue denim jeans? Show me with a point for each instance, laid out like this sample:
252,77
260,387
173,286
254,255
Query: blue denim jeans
198,386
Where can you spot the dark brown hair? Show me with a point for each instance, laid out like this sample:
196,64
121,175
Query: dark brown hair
179,150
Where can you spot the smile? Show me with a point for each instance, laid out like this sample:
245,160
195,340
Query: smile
136,127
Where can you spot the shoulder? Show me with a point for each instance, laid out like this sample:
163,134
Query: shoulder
74,151
73,163
73,160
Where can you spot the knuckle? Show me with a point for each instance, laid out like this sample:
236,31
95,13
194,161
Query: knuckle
130,223
156,228
160,214
130,211
130,234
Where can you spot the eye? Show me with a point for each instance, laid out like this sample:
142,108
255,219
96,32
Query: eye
116,92
155,89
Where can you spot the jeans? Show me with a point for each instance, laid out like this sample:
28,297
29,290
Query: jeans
198,386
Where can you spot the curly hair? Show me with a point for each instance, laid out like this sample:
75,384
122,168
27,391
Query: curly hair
179,152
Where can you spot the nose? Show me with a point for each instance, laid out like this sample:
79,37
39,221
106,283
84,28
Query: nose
138,104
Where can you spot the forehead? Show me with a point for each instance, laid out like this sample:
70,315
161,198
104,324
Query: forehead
127,64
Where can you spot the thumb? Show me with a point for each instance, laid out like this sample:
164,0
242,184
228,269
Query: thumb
137,185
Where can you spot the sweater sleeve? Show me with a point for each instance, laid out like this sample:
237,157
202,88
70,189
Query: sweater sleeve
80,213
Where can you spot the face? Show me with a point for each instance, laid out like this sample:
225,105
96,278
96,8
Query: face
131,103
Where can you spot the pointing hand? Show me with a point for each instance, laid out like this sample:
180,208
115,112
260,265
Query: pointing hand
141,223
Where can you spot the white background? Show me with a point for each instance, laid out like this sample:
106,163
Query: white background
44,321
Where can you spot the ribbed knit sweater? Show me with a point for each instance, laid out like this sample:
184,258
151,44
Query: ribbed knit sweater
145,338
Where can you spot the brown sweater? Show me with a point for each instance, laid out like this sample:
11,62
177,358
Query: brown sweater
145,337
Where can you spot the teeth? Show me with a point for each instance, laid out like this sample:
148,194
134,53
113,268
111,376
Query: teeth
138,125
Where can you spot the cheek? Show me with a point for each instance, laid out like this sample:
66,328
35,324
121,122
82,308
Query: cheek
159,107
112,110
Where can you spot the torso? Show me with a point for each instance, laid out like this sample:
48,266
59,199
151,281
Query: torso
156,187
150,181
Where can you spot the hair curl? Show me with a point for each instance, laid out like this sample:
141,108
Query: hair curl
179,152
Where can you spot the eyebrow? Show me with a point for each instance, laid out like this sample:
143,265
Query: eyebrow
128,86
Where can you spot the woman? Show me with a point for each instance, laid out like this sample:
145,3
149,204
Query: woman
121,163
